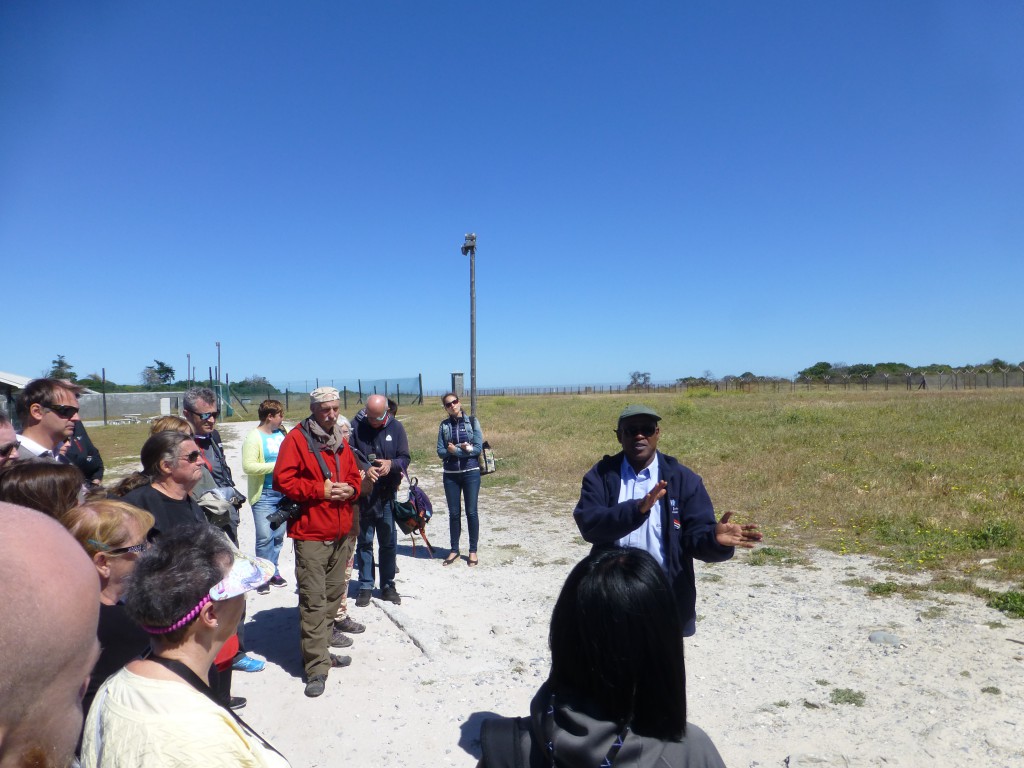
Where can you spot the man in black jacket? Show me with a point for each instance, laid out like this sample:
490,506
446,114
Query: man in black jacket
201,411
376,433
642,498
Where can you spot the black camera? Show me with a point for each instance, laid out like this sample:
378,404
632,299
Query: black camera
286,510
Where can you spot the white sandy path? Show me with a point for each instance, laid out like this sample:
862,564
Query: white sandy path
772,643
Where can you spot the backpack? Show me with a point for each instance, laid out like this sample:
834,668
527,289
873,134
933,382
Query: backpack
414,514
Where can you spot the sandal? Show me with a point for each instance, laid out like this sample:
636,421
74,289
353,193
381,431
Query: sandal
452,557
472,560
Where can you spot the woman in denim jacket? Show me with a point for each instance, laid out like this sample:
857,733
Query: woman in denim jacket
459,443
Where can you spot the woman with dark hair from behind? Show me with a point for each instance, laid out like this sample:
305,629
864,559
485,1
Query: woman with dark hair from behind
45,486
616,692
187,592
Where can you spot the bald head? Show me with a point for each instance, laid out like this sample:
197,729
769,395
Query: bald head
376,408
48,640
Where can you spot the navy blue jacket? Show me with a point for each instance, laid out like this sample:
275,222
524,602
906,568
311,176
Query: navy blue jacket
388,442
688,520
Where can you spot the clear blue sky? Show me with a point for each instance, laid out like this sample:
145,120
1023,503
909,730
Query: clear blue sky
670,187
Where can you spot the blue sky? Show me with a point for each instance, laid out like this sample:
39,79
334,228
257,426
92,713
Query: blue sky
660,186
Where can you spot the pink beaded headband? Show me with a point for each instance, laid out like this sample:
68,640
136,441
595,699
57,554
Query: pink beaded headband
246,573
183,621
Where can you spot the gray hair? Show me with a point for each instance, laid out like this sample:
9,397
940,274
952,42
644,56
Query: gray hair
196,394
163,446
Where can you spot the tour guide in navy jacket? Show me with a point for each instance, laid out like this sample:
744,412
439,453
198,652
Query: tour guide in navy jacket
621,492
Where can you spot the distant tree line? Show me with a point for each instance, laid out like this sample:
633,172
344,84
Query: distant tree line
156,377
641,380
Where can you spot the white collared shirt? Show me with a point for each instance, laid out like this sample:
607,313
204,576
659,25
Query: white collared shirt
636,485
38,449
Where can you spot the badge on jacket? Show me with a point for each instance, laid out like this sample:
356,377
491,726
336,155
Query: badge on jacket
674,512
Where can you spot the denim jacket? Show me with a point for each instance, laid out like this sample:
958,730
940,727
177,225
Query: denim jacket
461,460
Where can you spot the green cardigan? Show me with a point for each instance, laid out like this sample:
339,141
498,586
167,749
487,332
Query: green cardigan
254,466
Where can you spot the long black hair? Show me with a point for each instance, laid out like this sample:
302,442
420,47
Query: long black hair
617,643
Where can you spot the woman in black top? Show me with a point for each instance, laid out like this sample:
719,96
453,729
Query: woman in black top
173,463
114,535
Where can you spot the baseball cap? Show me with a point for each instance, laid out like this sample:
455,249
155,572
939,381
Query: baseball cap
638,410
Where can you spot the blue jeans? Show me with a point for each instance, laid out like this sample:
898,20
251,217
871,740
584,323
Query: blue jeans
466,484
384,527
268,542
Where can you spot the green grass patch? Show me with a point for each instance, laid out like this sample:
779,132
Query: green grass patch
847,696
1011,603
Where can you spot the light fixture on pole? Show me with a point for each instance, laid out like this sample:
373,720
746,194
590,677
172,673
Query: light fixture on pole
469,249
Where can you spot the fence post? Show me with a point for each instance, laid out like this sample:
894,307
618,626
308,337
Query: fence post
420,376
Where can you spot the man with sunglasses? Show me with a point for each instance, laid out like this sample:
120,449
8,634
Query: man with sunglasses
201,411
645,499
48,410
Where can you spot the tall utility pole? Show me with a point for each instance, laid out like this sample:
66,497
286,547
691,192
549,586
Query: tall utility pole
218,363
469,249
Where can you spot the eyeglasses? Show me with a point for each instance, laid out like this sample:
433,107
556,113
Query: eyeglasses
121,550
64,411
205,416
7,450
193,457
450,403
378,418
640,429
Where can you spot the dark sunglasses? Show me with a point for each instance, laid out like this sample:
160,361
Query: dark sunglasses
450,403
7,450
125,550
205,416
64,411
134,548
640,429
193,457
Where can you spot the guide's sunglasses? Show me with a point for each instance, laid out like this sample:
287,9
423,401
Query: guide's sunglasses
640,429
193,457
205,416
64,411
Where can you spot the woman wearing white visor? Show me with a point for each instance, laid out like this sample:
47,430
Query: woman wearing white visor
188,593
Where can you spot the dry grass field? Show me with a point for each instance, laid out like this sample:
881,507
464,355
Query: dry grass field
929,480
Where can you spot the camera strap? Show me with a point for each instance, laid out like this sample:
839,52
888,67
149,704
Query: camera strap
190,677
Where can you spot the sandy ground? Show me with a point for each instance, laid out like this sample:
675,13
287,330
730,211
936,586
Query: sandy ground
772,645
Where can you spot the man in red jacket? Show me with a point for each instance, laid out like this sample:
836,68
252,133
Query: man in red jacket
325,483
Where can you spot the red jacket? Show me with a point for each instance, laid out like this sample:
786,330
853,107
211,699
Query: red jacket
297,475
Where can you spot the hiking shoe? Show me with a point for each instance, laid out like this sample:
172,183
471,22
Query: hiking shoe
363,598
349,627
316,685
339,661
340,639
390,594
263,589
248,664
237,702
277,581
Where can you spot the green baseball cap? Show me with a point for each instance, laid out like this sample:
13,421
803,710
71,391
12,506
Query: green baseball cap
638,410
